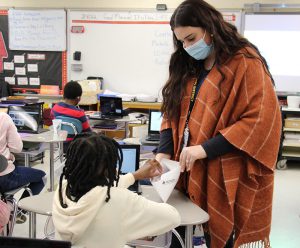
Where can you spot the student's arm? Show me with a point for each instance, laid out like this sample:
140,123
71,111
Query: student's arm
147,218
126,180
14,141
150,169
85,124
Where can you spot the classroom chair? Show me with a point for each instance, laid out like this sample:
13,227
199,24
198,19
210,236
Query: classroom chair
8,197
71,125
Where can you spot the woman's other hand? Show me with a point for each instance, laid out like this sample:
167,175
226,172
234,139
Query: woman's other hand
151,168
189,155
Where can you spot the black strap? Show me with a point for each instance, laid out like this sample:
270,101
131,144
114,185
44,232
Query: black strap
192,101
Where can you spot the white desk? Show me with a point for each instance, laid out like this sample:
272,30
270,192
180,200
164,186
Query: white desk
48,138
125,119
190,213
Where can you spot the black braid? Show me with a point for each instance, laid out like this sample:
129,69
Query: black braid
91,160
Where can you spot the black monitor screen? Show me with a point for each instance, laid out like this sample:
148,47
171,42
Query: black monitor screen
13,242
111,105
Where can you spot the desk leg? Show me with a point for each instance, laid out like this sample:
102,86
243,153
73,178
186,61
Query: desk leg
61,151
51,154
126,129
189,236
32,225
27,160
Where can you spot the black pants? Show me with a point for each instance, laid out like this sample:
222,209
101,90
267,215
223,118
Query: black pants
181,230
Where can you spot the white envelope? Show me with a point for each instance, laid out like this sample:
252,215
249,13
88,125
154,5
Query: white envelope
165,183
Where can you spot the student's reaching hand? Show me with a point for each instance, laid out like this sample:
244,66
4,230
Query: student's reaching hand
151,168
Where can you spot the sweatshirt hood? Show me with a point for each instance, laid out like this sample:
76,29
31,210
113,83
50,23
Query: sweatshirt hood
66,220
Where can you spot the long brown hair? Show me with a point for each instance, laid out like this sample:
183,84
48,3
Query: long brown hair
226,40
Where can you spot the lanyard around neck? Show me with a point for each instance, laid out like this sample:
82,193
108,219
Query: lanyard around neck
192,100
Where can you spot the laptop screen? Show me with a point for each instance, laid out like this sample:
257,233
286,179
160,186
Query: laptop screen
26,118
13,242
131,158
111,105
155,119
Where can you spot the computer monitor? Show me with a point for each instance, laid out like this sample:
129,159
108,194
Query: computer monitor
13,242
26,118
111,106
131,160
155,119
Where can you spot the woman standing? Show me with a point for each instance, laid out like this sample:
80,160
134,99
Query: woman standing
222,122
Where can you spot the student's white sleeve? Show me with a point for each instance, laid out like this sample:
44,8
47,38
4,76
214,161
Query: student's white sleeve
147,218
126,180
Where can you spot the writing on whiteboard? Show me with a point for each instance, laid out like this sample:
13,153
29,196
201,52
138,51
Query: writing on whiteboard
37,30
125,16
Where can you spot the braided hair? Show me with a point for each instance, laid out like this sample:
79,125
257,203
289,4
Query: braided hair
91,160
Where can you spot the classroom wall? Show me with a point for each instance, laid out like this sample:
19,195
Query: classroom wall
128,3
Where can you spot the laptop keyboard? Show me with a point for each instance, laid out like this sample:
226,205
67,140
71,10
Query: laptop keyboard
153,137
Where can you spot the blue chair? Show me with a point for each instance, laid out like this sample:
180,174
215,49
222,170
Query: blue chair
71,125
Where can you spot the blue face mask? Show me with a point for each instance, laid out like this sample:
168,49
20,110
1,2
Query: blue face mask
199,50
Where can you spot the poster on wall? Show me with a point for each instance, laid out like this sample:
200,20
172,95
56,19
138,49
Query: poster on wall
234,17
27,70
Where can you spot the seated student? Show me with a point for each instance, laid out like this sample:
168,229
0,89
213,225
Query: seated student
4,215
13,176
69,108
94,208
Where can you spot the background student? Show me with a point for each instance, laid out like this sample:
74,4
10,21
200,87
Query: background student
69,107
94,208
15,176
222,122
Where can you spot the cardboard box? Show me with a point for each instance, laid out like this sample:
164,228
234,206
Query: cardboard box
292,123
90,89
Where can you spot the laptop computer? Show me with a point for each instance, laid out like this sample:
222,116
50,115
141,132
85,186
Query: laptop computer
111,107
155,119
131,160
13,242
27,119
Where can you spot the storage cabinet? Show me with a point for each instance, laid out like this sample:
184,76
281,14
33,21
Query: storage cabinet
290,140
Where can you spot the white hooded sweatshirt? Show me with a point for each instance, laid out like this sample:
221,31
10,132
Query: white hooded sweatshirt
92,222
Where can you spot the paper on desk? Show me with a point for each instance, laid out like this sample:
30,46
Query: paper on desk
165,183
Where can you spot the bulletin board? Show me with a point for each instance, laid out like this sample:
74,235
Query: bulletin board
129,49
26,70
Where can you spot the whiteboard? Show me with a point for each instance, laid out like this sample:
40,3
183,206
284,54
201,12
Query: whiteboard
37,30
277,37
131,50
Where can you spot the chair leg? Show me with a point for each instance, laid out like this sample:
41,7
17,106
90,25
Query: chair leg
32,219
12,222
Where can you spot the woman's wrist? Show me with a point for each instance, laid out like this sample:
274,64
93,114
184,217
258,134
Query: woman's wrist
202,152
160,156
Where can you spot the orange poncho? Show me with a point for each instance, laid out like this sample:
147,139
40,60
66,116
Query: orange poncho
236,189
